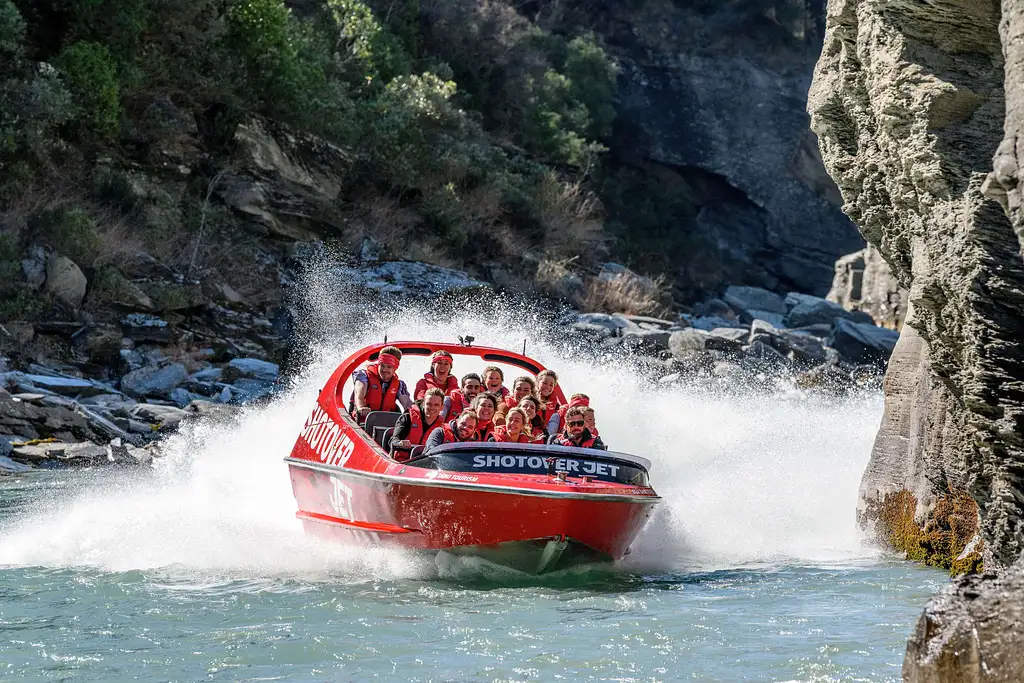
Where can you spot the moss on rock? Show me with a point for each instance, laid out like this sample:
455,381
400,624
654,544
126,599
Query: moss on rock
947,537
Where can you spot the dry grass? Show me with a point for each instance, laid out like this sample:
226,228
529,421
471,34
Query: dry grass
115,242
571,217
626,293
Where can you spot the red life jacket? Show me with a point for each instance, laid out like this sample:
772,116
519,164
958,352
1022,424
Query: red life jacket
510,402
563,439
536,433
430,382
419,429
377,398
451,433
459,402
501,436
483,432
545,413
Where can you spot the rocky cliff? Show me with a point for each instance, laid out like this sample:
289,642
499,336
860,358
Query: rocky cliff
712,104
909,101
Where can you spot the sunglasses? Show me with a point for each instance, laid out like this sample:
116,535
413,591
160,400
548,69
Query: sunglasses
576,423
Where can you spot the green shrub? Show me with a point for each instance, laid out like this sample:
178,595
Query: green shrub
116,24
592,77
12,34
91,75
407,118
72,232
369,51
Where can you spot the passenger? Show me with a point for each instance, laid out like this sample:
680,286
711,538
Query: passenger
462,428
485,405
494,380
521,388
514,429
377,386
591,420
460,399
576,432
556,421
413,427
439,376
534,425
547,380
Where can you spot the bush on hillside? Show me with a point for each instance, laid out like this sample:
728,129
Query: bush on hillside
91,75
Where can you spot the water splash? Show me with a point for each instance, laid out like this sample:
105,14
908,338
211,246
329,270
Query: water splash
745,479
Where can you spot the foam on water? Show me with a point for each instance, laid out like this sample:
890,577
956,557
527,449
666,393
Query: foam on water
745,479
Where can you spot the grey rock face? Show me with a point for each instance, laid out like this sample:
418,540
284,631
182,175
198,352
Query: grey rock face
864,282
971,633
686,88
65,280
908,103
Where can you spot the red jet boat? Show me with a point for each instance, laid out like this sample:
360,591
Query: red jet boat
529,506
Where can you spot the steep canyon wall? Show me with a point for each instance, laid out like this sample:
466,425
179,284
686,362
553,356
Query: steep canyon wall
917,106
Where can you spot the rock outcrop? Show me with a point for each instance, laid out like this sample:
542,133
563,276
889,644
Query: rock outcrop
909,101
971,633
908,104
864,282
767,214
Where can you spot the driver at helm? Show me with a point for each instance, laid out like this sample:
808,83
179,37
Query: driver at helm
377,386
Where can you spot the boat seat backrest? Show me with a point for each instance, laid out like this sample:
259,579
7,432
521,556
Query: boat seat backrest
378,436
416,452
379,418
385,441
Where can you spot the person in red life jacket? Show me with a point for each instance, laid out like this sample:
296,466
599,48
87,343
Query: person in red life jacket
558,419
576,432
485,405
547,380
377,386
462,428
534,426
590,420
413,427
494,380
440,376
514,430
460,399
521,388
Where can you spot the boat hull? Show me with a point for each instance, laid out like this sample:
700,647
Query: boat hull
432,515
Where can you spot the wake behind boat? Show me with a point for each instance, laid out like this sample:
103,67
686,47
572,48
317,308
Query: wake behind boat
534,507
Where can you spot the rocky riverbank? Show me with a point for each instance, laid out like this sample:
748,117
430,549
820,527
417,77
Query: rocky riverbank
122,387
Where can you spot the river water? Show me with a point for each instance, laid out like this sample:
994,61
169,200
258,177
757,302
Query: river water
752,570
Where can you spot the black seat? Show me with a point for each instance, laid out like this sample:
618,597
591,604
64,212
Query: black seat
379,418
416,452
385,441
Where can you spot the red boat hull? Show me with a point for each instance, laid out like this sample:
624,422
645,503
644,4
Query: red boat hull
349,490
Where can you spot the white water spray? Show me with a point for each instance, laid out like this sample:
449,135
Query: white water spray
769,479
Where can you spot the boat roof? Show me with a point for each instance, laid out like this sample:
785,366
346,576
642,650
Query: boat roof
427,348
563,451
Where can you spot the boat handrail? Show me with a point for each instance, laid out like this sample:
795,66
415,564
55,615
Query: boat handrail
590,453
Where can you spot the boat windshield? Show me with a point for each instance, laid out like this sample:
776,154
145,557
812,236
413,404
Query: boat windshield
535,459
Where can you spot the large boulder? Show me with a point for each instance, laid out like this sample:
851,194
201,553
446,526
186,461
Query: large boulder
65,280
862,342
756,303
806,310
971,633
156,381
